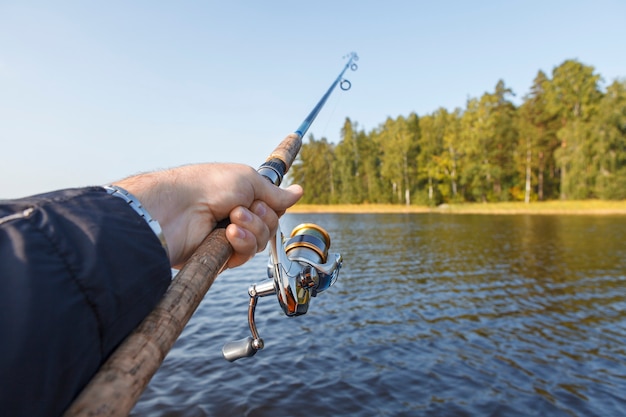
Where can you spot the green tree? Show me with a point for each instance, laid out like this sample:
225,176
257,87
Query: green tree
371,182
398,144
313,170
432,130
572,96
347,164
473,175
608,128
451,158
489,138
537,130
503,142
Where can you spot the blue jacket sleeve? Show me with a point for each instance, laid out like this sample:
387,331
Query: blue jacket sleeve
79,270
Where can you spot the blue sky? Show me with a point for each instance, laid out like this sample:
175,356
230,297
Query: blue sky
91,92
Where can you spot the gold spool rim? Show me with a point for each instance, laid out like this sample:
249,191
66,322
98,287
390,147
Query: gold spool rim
308,246
314,226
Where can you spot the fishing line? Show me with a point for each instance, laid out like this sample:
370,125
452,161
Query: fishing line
344,84
331,116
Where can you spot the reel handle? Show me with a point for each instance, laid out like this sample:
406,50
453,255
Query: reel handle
243,348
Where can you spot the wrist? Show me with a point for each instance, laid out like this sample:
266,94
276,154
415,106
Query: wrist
159,193
134,203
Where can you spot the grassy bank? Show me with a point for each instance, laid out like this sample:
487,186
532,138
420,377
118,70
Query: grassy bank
592,207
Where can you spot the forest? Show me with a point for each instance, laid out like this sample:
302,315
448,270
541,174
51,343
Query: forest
566,140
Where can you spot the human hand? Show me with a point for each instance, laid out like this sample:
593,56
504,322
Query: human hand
189,201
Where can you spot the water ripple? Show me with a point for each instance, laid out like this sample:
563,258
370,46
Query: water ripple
432,315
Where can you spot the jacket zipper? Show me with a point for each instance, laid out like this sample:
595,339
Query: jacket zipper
15,216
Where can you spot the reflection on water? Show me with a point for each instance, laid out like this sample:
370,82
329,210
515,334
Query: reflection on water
431,315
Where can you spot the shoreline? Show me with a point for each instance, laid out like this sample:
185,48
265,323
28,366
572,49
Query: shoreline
585,207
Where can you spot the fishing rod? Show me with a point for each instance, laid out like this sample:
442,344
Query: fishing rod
300,270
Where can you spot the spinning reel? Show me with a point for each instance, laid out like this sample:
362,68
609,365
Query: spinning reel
299,268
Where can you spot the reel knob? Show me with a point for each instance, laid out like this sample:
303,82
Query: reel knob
243,348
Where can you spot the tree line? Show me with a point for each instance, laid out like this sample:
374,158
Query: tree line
566,140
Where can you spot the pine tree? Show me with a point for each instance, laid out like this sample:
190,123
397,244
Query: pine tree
572,96
537,130
608,128
347,163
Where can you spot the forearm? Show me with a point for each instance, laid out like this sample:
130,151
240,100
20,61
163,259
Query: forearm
79,271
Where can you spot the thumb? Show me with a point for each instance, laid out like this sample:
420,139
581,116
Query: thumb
290,196
280,199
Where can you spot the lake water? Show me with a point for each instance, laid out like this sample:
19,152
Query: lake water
443,315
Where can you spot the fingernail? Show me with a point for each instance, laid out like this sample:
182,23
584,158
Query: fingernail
241,234
246,216
260,209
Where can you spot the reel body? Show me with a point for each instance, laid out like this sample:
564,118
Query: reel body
299,268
